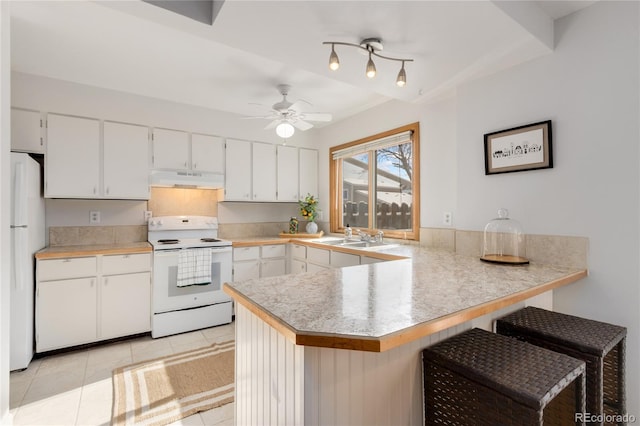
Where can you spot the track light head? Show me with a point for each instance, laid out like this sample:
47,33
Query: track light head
334,62
371,67
402,77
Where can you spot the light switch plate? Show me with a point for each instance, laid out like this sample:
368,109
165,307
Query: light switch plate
147,215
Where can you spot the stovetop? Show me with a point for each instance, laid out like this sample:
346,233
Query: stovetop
178,232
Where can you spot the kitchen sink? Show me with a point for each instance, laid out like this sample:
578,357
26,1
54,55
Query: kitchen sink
356,244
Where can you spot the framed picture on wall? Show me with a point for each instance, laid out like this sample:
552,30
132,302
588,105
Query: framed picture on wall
517,149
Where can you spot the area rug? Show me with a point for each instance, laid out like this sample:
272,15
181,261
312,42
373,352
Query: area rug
164,390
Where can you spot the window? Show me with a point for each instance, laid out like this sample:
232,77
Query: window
374,183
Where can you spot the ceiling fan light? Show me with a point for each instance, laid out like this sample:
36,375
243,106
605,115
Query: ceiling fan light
334,62
402,77
371,67
285,130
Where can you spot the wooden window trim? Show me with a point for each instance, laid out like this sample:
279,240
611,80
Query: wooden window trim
335,179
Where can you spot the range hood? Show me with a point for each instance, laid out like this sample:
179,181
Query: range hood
186,179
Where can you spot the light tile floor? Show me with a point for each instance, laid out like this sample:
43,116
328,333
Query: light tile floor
75,388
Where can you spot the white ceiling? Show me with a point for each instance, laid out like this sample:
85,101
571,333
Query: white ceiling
252,46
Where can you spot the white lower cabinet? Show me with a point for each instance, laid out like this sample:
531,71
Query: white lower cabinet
83,300
259,261
340,260
298,266
66,313
125,305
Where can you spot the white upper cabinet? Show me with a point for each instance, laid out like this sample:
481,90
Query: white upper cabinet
72,160
238,170
207,153
264,172
26,131
170,149
126,161
287,173
308,172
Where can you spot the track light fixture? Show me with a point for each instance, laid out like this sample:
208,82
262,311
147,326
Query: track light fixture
372,46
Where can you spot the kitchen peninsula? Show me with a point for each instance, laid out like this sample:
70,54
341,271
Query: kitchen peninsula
342,346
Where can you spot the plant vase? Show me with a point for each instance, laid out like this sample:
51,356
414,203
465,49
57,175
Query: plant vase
312,228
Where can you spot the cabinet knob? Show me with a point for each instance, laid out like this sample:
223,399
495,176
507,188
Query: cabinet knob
107,190
185,164
195,165
106,281
94,189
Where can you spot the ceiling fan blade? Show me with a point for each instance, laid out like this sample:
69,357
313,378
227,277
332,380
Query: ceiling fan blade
316,116
296,105
302,125
263,117
273,124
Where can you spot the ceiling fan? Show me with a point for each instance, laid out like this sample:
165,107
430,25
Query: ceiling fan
286,116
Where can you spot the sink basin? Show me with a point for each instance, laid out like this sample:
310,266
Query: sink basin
356,244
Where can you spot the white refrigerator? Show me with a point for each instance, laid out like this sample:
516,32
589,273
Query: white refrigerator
27,237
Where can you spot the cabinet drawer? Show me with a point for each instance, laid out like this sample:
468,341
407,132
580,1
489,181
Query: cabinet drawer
317,255
246,253
70,267
273,250
298,251
126,263
339,260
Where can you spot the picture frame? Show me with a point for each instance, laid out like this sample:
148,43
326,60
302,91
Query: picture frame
521,148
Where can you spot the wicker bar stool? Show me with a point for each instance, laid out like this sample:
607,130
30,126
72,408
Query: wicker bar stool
482,378
600,345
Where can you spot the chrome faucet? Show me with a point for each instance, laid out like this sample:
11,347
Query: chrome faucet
379,237
363,236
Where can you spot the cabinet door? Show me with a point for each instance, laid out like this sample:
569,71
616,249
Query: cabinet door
65,313
126,161
287,173
273,267
207,153
298,266
246,270
170,149
308,172
238,170
72,161
125,305
26,131
264,172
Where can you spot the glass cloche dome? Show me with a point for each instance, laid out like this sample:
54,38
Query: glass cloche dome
504,241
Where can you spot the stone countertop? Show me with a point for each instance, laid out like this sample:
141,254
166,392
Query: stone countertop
379,306
57,252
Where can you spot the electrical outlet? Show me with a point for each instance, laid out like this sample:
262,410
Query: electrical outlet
94,217
447,219
147,215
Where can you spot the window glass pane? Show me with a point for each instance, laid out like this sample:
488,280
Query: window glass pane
394,192
355,191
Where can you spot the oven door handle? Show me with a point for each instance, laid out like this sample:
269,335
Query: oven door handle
225,249
169,252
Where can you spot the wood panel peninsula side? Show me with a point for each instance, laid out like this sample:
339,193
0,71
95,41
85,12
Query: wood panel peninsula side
342,346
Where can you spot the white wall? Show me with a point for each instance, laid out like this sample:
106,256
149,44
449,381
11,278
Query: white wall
589,87
5,165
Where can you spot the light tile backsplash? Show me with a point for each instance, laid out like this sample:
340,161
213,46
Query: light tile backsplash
184,201
548,249
91,235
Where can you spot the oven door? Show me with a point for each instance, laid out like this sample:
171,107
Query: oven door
167,296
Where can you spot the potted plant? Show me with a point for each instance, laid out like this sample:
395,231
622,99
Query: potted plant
308,210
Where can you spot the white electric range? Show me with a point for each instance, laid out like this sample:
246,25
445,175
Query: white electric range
179,308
